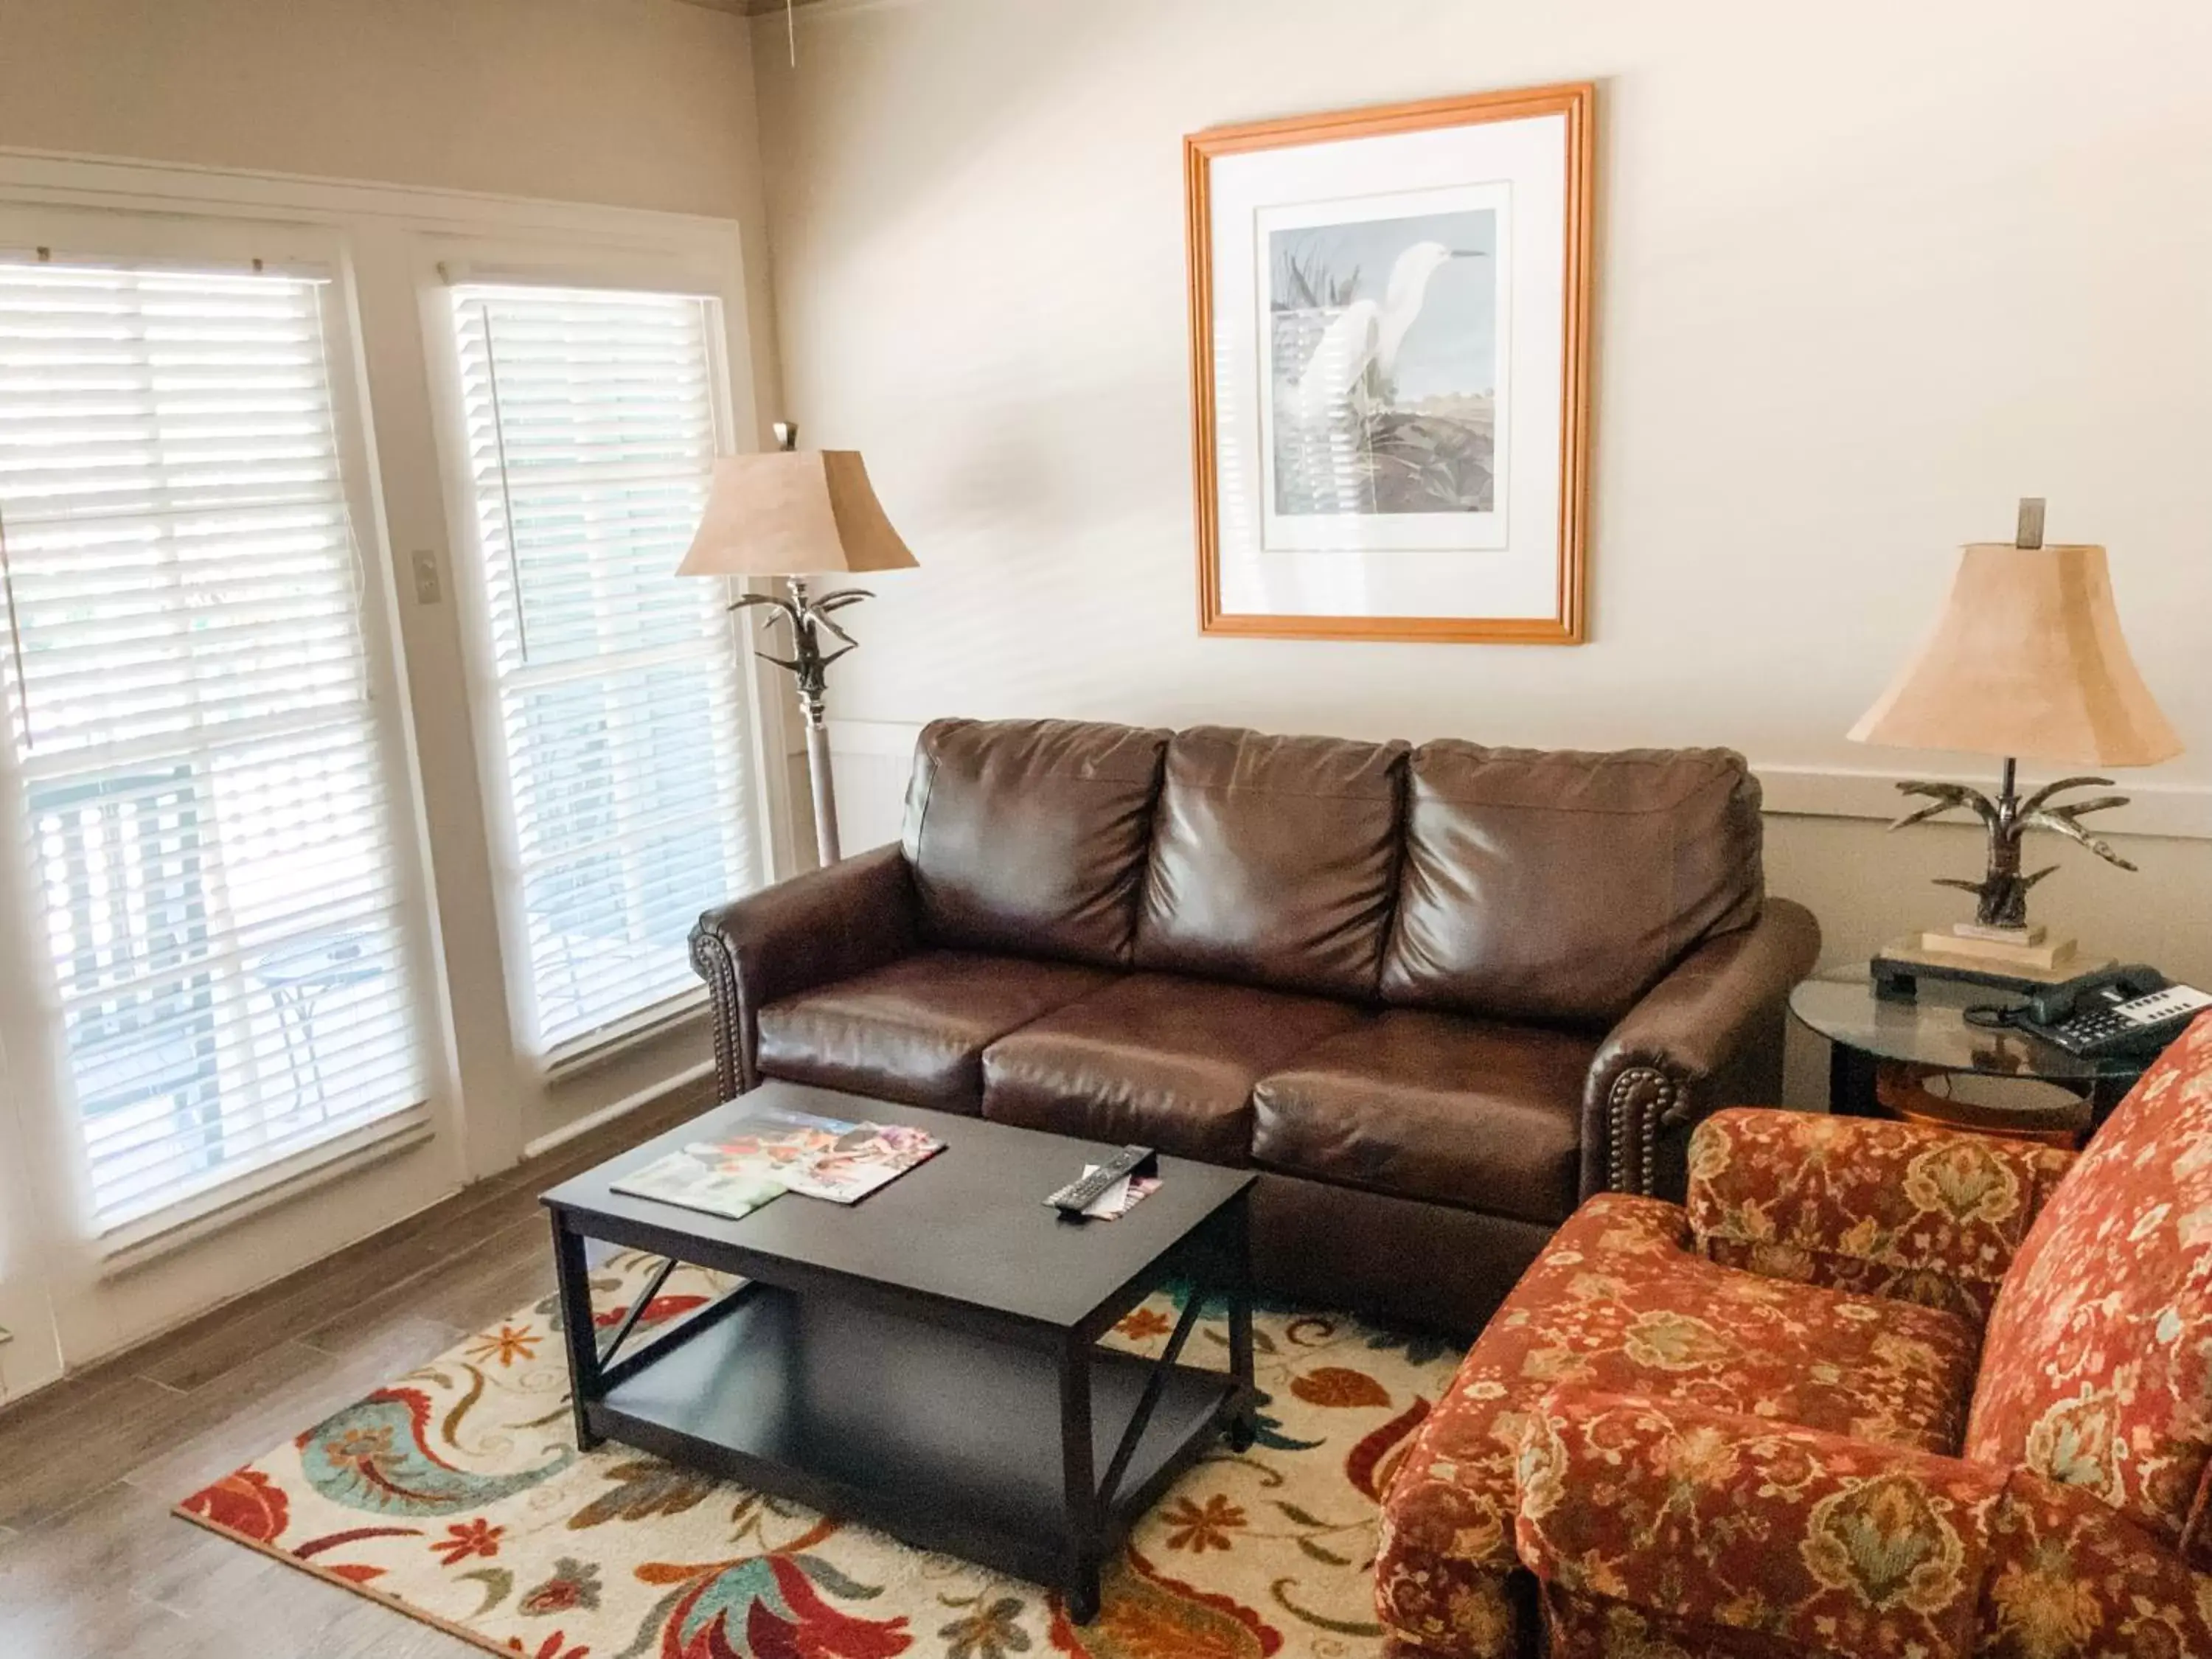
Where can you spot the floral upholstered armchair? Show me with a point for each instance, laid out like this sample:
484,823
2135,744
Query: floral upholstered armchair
1876,1390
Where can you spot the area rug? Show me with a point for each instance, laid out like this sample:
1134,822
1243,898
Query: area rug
455,1495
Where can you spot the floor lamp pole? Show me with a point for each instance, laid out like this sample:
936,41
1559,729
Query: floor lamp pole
825,797
808,663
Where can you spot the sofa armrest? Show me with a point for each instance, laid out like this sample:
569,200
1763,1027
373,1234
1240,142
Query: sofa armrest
1901,1210
1708,1035
826,925
1714,1521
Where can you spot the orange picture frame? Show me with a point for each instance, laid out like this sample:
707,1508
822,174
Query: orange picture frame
1576,102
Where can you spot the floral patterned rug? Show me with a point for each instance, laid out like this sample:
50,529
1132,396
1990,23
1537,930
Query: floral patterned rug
455,1495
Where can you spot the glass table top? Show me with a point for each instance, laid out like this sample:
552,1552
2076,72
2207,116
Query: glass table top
1932,1029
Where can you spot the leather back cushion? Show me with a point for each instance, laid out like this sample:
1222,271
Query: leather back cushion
1028,836
1552,885
1274,859
2097,1366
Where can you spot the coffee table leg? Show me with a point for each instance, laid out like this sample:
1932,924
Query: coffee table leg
573,1275
1080,1480
1239,1286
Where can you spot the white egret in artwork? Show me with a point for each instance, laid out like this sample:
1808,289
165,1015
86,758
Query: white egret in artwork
1365,335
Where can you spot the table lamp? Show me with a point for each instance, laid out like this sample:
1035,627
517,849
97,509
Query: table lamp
795,514
2026,662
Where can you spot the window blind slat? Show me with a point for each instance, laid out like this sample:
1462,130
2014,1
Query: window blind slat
590,431
189,700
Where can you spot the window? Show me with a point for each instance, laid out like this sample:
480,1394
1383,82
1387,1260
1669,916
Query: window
591,425
191,728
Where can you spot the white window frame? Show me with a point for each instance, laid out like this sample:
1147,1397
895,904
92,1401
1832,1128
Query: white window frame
444,264
137,233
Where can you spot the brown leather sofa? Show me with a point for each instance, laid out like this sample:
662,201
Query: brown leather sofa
1435,995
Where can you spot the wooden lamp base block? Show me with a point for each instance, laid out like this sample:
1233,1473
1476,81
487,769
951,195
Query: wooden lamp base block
2024,948
1896,967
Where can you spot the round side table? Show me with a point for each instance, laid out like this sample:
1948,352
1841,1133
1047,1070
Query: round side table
1886,1051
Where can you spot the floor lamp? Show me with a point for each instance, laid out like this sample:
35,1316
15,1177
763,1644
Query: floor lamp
794,513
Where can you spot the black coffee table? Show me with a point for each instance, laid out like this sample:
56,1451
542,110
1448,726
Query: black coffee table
925,1360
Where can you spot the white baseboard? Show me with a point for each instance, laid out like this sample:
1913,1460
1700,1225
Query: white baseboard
2176,811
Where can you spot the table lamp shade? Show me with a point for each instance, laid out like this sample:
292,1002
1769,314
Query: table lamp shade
2027,660
793,513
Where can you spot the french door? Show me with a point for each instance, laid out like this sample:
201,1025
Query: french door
211,917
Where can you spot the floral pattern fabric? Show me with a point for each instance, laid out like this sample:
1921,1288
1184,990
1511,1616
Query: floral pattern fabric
1877,1208
457,1494
1620,1304
1715,1521
2072,1579
1801,1543
2098,1367
1754,1516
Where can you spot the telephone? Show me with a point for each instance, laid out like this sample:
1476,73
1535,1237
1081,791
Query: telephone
2122,1010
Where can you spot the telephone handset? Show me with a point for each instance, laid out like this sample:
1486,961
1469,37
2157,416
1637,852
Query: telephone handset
2122,1010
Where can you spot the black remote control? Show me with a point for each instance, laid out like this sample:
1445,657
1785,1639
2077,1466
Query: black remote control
1080,1195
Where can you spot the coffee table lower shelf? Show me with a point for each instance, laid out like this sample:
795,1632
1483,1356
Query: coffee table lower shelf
945,1440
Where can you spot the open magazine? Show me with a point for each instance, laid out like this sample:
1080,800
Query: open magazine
787,1152
680,1178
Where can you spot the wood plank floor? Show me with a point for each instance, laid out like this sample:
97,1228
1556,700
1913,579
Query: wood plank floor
92,1564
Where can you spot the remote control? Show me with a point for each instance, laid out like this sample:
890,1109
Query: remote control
1080,1195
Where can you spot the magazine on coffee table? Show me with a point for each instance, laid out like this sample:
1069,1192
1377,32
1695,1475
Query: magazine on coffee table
818,1157
680,1178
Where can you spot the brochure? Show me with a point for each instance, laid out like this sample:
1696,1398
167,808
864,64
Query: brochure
818,1157
680,1178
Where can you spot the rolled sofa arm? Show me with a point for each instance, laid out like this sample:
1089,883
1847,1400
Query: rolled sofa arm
1902,1210
1715,1523
1707,1036
826,925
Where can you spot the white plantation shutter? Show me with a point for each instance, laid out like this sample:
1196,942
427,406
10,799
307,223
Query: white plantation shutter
590,419
189,713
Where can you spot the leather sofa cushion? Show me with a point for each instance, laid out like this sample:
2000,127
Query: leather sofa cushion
1273,861
1154,1060
1437,1107
916,1029
1562,886
1029,836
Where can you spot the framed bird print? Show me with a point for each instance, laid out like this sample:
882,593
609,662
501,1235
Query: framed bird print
1389,315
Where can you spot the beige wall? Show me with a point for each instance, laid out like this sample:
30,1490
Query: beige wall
1866,275
636,103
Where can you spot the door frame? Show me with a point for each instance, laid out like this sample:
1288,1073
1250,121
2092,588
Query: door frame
31,1354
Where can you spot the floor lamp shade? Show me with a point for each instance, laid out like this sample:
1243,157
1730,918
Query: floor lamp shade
793,513
2027,661
796,513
